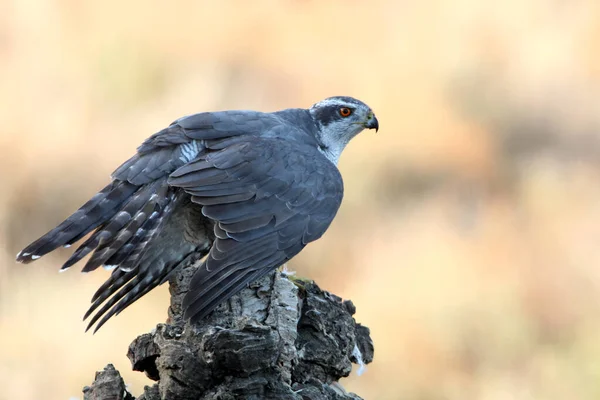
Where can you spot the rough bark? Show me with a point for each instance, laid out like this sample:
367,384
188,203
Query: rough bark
274,340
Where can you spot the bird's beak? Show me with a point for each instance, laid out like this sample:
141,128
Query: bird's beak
372,122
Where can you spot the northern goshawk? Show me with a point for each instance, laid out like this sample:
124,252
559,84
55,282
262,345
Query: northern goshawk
249,189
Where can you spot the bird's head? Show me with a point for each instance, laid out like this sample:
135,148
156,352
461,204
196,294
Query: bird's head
339,119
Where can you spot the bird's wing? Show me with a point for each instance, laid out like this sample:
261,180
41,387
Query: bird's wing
139,184
129,215
269,197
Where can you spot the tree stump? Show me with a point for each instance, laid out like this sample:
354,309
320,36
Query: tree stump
273,340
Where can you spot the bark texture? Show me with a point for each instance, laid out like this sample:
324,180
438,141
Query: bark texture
274,340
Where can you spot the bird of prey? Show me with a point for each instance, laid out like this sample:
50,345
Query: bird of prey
247,189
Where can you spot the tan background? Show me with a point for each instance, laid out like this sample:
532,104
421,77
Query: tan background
469,237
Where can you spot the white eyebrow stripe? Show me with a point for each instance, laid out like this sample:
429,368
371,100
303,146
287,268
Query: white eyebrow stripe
335,102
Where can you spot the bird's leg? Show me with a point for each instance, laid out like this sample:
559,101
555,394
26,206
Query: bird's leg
291,276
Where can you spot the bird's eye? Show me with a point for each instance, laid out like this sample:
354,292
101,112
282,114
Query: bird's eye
345,112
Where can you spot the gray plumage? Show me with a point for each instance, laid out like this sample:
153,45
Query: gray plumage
246,189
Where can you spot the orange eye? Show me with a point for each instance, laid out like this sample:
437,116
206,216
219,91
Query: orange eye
345,112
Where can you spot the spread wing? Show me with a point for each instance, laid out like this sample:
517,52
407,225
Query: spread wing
269,197
140,227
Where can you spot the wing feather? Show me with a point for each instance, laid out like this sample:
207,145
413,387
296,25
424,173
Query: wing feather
134,227
269,197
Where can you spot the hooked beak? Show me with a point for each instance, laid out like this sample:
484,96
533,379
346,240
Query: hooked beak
372,122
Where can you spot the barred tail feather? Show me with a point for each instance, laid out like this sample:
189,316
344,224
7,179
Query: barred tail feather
144,261
140,217
123,288
139,233
99,209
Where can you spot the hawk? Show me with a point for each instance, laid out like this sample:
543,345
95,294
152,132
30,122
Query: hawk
248,190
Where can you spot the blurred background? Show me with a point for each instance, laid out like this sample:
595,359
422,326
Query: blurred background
469,234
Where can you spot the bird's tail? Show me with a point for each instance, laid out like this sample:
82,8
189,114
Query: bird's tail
162,254
125,217
138,233
121,240
99,209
